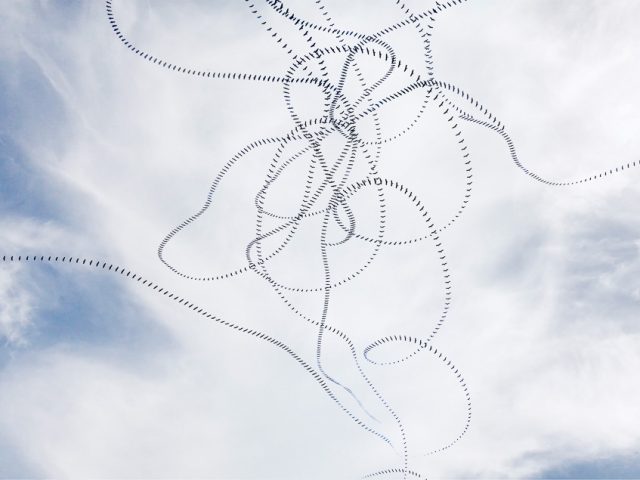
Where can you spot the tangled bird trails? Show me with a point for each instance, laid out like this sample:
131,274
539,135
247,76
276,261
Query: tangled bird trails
349,114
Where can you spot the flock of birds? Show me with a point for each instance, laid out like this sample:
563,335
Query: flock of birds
335,95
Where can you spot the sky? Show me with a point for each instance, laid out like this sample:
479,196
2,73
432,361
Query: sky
103,153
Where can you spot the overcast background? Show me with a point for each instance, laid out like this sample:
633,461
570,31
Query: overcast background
102,153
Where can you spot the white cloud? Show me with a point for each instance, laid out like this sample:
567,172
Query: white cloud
545,297
21,295
16,307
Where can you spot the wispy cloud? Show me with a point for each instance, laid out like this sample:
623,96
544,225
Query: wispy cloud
16,307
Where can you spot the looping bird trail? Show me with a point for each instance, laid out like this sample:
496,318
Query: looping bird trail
352,110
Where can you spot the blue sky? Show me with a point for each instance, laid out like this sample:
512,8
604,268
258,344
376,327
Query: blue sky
614,467
103,153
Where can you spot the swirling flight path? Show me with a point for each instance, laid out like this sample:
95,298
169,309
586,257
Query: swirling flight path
330,177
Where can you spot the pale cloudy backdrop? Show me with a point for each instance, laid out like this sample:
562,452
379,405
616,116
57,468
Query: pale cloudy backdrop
102,153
